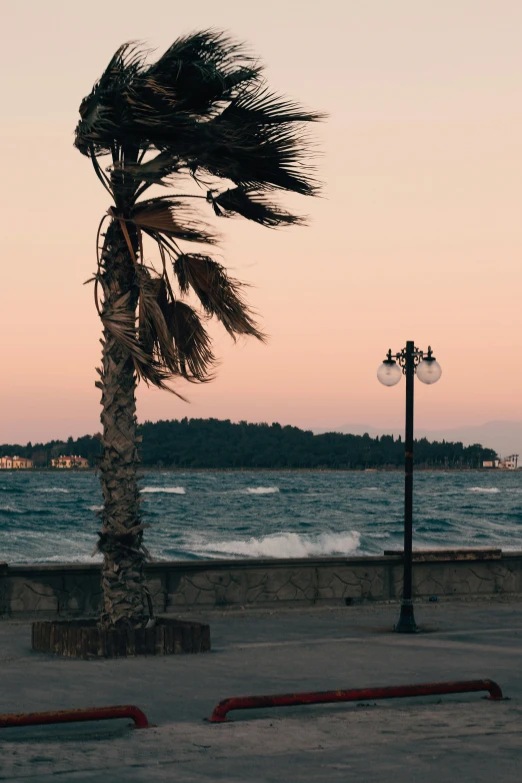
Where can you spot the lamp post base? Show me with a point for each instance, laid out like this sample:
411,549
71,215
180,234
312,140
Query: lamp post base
406,622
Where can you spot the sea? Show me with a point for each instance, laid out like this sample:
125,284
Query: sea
52,517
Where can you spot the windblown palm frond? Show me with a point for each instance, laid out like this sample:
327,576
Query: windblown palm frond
205,68
171,332
253,206
202,109
192,341
120,323
172,218
153,331
219,294
105,113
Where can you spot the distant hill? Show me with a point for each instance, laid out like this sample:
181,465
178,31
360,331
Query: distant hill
503,436
218,444
213,443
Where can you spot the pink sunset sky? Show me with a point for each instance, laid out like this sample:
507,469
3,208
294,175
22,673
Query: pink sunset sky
418,235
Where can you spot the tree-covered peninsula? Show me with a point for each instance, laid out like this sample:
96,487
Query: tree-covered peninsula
219,445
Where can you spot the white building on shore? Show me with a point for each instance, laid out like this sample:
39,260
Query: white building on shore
509,463
68,462
15,463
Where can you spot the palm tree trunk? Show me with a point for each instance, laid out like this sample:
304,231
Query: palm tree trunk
124,597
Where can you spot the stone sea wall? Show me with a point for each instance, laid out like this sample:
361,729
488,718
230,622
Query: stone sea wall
45,591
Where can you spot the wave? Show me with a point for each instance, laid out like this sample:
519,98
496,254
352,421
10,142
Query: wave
10,510
261,490
170,490
491,490
52,489
284,545
63,559
95,508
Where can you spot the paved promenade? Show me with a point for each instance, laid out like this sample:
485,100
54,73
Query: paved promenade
429,740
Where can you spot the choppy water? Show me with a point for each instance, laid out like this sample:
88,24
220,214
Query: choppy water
51,517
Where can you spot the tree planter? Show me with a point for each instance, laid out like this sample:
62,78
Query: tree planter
83,639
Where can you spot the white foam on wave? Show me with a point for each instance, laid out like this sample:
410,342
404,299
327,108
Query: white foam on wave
95,508
12,509
169,490
282,545
261,490
490,490
52,489
68,558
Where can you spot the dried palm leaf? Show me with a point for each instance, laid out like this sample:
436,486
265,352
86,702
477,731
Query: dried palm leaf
219,294
120,323
192,342
154,332
173,219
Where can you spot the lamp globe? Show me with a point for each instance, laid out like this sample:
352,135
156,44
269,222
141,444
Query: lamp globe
389,373
429,370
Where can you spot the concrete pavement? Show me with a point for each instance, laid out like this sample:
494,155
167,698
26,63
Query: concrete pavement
256,652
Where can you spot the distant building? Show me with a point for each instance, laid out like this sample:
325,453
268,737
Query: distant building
12,463
491,463
69,462
508,463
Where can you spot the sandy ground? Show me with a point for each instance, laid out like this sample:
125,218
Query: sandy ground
458,738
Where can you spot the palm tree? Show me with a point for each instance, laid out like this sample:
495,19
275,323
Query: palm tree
201,111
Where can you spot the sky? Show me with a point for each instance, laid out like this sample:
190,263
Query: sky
417,235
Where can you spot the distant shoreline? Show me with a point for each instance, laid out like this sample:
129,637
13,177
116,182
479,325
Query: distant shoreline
418,469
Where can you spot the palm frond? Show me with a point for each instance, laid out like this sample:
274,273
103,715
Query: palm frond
204,108
259,105
153,330
219,294
253,206
155,170
120,323
172,218
200,70
171,332
257,156
104,113
207,47
192,342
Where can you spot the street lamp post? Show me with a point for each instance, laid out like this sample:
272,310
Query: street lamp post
409,361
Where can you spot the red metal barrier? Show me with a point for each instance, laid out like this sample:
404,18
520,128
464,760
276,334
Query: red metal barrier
323,697
72,716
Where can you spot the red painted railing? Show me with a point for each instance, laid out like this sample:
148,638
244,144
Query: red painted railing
72,716
360,694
